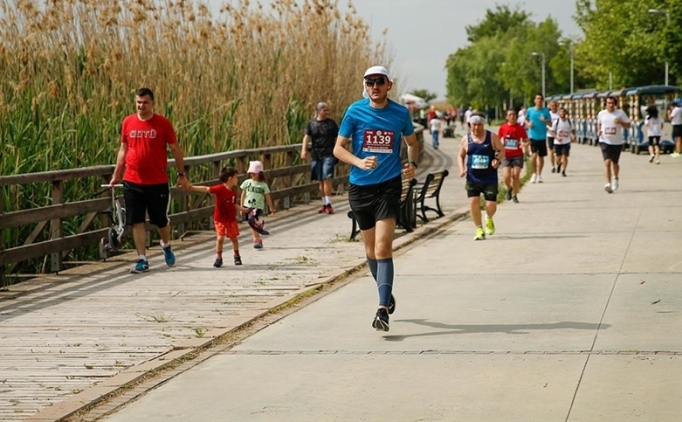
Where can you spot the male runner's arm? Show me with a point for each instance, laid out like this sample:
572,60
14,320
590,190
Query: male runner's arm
120,164
499,147
304,148
412,155
461,156
347,157
179,164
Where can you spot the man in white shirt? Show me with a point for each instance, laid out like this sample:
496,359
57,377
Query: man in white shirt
610,124
675,116
436,126
563,134
467,115
554,114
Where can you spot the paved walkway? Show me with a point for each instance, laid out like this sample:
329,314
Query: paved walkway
567,313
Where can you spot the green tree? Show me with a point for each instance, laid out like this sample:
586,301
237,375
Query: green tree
622,39
425,94
497,22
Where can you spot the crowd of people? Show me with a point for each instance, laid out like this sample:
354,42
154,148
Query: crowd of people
373,128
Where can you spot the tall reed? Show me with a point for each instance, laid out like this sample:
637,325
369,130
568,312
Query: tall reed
244,77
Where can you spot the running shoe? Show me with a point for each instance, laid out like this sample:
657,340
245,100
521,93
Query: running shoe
675,154
553,169
539,179
508,196
237,260
614,185
534,178
380,322
515,199
651,159
391,305
329,208
257,244
563,174
658,161
168,255
607,188
558,168
141,266
218,262
489,225
322,210
480,234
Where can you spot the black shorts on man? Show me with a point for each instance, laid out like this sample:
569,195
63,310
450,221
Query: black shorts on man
562,149
146,199
489,191
512,162
611,152
654,141
372,203
539,147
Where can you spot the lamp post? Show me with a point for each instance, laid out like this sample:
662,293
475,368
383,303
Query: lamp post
571,52
542,55
667,18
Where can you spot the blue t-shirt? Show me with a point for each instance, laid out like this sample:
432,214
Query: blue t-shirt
539,130
376,132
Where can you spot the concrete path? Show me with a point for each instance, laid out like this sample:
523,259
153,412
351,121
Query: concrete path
570,312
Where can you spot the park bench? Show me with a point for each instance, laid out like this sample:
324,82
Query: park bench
407,215
430,190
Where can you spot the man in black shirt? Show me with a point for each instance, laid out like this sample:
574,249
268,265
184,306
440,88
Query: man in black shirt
321,131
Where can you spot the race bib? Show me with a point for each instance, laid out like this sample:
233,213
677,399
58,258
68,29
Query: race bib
610,130
563,134
378,141
480,162
511,143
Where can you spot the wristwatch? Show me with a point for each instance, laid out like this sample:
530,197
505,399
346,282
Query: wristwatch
181,174
414,164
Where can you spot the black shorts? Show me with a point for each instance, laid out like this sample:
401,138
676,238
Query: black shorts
611,152
372,203
654,141
475,190
550,143
147,199
562,149
538,147
677,131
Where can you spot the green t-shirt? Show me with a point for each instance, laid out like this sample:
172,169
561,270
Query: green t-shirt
255,193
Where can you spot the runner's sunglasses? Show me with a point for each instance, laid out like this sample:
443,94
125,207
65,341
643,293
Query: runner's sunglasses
377,82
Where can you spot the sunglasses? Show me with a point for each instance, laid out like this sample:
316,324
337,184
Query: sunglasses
377,82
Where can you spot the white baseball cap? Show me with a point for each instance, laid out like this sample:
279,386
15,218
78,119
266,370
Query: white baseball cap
376,70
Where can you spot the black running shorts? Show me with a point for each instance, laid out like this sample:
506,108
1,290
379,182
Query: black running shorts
475,190
677,131
146,199
562,149
538,147
611,152
372,203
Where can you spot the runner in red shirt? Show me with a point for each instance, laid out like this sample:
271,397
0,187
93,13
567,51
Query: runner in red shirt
145,138
225,213
514,138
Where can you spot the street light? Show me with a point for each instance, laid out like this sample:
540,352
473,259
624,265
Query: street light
542,55
667,17
571,52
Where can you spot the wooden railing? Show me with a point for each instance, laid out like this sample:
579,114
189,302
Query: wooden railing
289,184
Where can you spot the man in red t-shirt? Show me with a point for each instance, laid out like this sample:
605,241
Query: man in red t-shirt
145,137
514,138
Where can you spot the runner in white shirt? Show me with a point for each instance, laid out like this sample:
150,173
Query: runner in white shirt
654,127
467,115
610,124
563,133
554,113
436,126
675,116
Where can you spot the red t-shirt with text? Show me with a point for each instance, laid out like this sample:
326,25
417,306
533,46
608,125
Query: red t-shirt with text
147,156
225,199
511,136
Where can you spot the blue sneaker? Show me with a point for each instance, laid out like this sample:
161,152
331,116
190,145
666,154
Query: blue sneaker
168,256
141,266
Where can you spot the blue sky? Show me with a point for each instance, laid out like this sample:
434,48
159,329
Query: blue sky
423,33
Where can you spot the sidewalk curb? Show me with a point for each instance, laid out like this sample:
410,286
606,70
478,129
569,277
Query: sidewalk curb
188,349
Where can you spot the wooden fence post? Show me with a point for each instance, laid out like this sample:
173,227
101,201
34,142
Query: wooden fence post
56,226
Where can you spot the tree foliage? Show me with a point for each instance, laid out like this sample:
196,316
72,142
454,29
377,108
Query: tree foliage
425,94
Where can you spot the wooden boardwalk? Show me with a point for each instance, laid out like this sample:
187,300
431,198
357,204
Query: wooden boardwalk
63,334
